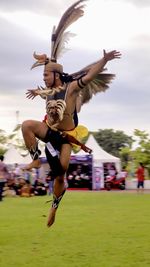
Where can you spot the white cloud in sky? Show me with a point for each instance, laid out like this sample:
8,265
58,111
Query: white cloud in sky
26,27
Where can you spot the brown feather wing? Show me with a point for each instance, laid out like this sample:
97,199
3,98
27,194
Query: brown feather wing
99,84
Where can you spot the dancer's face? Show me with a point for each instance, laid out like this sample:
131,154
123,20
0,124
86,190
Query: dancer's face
48,78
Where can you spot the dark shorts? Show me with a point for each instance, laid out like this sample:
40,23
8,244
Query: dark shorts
56,139
140,184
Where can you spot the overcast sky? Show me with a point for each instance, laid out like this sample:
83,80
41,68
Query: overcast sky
25,27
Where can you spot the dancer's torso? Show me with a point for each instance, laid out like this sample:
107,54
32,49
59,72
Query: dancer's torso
69,120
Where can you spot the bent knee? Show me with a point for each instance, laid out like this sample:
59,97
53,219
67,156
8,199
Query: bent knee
60,179
64,166
26,125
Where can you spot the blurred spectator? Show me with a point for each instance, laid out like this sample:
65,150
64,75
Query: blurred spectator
26,189
112,172
4,175
39,187
50,182
17,171
140,174
27,176
79,178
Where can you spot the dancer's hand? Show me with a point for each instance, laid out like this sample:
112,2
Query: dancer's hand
111,55
32,93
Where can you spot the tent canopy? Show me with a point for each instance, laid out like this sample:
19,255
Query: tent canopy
98,153
12,156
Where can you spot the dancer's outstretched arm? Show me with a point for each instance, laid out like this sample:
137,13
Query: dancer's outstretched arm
98,67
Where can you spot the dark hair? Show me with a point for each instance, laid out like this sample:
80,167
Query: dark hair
1,157
142,165
65,77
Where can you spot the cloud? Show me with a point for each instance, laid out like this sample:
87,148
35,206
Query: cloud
38,6
138,3
25,27
16,56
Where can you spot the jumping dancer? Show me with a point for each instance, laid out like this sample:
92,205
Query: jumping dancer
64,95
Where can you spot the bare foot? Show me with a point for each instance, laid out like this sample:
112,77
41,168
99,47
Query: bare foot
51,217
34,164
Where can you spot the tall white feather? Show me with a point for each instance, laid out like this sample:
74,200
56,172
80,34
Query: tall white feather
62,45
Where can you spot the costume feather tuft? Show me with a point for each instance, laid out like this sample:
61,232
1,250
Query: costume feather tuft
59,36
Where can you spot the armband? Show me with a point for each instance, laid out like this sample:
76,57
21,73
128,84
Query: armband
80,83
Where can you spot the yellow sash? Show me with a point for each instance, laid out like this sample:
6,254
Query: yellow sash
80,132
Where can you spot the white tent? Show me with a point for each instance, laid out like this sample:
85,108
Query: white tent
12,156
27,159
100,156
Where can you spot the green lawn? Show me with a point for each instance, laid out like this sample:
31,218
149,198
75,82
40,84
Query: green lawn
92,229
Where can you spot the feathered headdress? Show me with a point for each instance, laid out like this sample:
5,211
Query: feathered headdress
59,38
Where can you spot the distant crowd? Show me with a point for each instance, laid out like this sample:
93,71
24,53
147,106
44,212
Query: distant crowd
17,182
22,187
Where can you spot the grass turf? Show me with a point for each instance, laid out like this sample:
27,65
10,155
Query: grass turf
92,229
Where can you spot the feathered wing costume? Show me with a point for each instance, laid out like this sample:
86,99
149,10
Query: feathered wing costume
99,84
58,40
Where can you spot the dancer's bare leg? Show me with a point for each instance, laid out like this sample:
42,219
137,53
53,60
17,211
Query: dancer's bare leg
31,130
58,189
59,184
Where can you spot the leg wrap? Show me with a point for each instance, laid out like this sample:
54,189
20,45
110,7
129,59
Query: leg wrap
56,200
34,152
53,160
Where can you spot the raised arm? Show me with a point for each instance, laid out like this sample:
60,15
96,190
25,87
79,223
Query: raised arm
94,69
98,67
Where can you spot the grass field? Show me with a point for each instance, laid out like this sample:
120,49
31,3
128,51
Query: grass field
92,229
